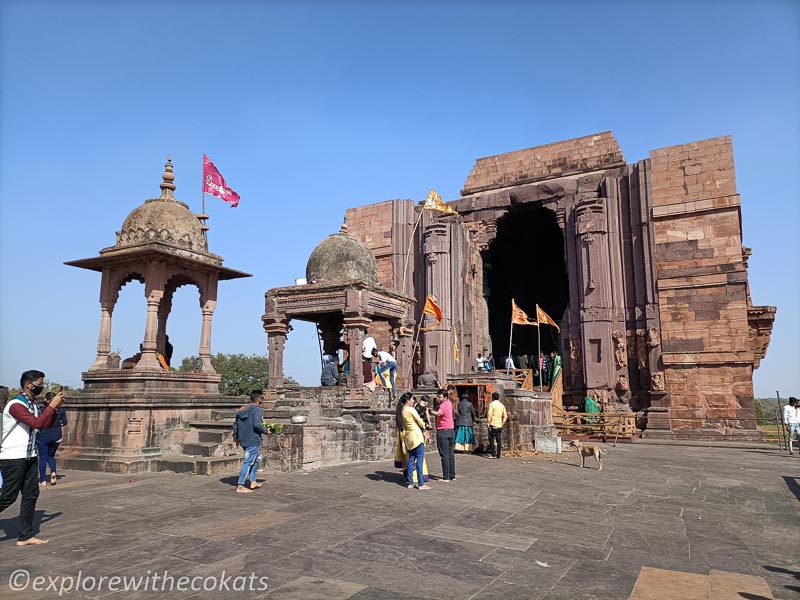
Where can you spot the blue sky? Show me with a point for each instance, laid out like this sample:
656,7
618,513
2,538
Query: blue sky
309,108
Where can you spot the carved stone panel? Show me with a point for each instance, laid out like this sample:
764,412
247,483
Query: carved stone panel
620,350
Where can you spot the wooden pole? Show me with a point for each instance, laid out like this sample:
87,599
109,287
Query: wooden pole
408,251
510,337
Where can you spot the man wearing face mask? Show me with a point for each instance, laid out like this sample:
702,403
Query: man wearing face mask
18,461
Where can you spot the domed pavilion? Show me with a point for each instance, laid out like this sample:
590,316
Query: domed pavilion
343,297
163,245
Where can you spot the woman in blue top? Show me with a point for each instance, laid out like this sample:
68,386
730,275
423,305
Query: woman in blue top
48,442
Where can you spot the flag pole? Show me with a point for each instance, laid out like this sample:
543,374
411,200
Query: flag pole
511,335
203,197
539,347
408,251
414,352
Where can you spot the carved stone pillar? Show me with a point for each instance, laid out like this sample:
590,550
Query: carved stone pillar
438,343
164,309
276,336
596,313
154,291
355,327
330,332
204,352
108,298
149,346
402,334
104,339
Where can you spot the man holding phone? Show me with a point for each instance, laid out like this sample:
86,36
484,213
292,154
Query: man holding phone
18,460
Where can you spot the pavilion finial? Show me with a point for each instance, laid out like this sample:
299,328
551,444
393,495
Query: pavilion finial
167,186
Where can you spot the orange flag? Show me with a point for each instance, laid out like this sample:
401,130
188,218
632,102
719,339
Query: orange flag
518,316
543,317
432,309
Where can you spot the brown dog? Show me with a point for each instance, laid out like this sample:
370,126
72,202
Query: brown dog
585,450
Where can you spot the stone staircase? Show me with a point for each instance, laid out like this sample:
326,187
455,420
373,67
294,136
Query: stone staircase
207,448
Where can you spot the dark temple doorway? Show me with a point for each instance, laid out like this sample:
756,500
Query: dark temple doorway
525,262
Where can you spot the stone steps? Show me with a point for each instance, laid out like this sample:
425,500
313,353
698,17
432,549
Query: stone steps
181,463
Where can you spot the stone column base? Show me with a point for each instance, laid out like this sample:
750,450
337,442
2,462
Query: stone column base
109,460
545,439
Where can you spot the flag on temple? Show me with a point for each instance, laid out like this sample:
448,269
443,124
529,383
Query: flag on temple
518,316
543,317
432,309
214,184
456,350
434,202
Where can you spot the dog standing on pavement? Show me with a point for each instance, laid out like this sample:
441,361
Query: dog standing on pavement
585,450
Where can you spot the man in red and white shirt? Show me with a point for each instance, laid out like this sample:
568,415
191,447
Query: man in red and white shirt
19,463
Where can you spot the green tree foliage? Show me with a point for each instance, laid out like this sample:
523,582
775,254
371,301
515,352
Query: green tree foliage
241,374
759,412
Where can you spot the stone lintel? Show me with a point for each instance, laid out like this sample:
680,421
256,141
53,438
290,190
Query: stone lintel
695,206
700,359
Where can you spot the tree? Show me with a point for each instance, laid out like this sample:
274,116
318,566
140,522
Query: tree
241,374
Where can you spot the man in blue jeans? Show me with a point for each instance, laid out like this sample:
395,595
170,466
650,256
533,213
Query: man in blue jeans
247,430
386,362
445,435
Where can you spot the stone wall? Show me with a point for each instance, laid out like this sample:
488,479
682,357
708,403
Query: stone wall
702,285
542,162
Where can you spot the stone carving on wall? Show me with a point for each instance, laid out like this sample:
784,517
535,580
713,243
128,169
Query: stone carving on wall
596,313
620,350
113,360
137,234
622,389
641,348
599,396
653,339
657,381
575,362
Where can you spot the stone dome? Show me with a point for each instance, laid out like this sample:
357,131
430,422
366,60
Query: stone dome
165,220
341,257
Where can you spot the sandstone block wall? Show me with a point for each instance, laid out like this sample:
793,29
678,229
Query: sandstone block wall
543,162
702,284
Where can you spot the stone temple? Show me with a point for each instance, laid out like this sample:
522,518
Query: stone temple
642,264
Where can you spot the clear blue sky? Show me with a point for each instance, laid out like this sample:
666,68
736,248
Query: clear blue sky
309,108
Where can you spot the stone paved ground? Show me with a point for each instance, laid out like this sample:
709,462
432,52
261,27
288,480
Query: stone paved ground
514,528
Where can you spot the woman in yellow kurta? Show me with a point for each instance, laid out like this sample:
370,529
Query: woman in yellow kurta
412,437
400,454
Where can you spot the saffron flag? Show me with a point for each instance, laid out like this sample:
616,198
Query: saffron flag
543,317
432,309
518,316
434,202
456,350
214,184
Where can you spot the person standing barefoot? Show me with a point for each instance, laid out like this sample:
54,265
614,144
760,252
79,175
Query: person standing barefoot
18,461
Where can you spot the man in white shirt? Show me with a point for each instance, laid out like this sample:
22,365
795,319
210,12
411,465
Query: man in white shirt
791,421
510,363
367,346
18,451
386,362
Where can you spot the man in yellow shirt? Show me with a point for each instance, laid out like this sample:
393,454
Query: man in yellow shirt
496,417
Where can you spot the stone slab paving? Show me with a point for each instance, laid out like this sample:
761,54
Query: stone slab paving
657,522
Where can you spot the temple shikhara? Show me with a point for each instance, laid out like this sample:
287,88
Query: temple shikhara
639,265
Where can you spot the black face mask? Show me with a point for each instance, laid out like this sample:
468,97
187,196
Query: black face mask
37,389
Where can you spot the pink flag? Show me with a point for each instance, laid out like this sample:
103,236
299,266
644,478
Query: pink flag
214,183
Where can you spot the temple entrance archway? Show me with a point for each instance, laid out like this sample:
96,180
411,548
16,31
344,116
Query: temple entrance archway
525,261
